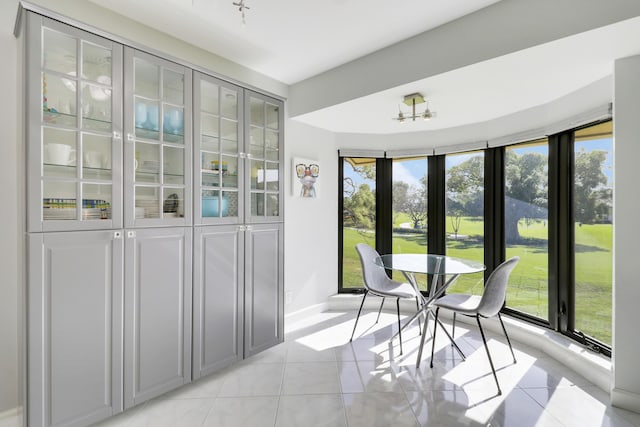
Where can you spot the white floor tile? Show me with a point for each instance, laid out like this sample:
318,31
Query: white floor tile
318,378
253,380
311,378
311,411
579,406
243,411
367,376
378,410
179,412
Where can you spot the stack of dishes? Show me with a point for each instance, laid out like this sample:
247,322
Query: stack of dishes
55,209
151,166
58,209
150,206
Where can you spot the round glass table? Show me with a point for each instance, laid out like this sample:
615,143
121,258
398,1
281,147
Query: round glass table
449,268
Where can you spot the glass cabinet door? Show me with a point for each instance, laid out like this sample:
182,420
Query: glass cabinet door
74,127
218,177
157,149
263,146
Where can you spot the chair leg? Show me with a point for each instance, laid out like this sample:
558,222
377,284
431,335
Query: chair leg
433,338
507,337
358,316
418,308
453,328
399,326
486,347
380,310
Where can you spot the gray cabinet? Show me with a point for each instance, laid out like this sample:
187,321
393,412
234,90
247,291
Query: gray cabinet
75,297
157,319
264,287
264,150
238,293
157,148
218,160
238,276
110,219
218,296
73,128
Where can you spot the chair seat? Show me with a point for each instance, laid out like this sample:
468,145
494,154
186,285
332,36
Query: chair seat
462,303
393,289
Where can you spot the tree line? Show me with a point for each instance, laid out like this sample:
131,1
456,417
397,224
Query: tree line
526,193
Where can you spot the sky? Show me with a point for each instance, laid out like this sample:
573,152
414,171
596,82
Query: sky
410,171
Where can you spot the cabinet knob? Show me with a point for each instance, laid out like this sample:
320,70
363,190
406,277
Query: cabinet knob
117,135
117,234
131,234
130,137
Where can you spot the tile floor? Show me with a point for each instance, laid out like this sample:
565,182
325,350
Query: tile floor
318,378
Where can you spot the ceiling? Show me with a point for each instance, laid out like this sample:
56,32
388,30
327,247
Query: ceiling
291,41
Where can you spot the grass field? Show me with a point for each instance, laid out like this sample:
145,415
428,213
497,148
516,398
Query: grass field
528,285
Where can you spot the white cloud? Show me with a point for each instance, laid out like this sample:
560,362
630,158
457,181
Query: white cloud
401,173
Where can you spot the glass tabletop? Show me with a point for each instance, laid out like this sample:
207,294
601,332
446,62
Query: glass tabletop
429,264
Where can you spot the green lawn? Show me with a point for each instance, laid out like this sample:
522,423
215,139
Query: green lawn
528,286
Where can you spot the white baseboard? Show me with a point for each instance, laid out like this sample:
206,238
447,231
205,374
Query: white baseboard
11,417
625,399
299,315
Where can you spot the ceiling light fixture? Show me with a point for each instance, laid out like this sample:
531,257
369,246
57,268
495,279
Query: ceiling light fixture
412,100
241,8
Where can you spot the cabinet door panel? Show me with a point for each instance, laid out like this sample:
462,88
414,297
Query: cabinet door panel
263,287
157,312
218,162
75,328
218,297
264,148
74,123
157,155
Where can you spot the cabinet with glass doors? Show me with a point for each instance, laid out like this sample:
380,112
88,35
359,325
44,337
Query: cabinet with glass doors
264,129
157,149
218,155
74,122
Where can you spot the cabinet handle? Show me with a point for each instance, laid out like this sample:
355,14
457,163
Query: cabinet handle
117,234
131,234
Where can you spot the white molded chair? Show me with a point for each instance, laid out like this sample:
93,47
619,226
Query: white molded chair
376,282
487,305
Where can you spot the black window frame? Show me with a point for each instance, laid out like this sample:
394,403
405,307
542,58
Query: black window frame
561,282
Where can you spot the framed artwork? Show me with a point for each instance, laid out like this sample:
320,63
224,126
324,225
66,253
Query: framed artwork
306,177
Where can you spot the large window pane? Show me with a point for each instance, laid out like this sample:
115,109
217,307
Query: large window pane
465,215
526,226
358,216
410,210
593,207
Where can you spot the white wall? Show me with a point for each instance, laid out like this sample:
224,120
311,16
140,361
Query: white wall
626,238
311,225
103,19
504,27
10,242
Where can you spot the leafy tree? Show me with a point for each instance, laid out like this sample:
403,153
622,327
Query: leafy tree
360,207
417,203
589,179
525,190
465,190
400,192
